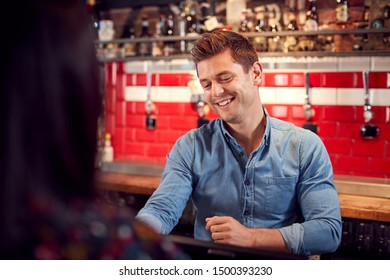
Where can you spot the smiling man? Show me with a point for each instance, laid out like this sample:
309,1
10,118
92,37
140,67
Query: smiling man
255,181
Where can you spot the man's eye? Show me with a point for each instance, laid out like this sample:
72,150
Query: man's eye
226,78
206,86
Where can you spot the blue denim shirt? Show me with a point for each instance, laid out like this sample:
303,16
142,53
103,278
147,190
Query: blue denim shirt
286,183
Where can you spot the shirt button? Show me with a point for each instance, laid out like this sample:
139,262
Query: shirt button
247,182
246,213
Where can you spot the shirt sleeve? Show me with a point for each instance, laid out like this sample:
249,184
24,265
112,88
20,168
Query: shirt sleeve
320,231
166,205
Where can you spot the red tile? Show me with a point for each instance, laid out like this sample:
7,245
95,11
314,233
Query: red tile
140,108
158,150
169,109
144,135
338,113
131,79
349,130
379,80
297,80
174,79
379,166
298,123
297,112
131,108
341,146
121,113
120,86
135,148
141,79
162,122
384,131
339,79
110,73
181,123
381,114
370,147
314,79
129,135
354,164
189,109
387,149
135,121
327,129
278,111
118,140
184,78
110,123
169,136
110,99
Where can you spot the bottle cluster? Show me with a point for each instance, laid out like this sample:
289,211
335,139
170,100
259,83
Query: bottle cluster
171,30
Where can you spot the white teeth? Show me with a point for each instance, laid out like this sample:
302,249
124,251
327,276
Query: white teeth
225,102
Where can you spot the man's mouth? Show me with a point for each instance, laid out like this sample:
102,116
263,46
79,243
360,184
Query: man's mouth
225,102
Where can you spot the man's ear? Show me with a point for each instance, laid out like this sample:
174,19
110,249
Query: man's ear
258,73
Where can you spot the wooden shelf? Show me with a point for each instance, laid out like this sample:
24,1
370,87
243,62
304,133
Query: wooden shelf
352,206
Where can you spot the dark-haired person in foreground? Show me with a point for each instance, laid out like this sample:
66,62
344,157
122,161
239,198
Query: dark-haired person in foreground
255,181
49,107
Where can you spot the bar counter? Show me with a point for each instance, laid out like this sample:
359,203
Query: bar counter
360,198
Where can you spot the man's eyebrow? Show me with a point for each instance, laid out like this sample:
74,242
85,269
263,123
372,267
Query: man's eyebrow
219,75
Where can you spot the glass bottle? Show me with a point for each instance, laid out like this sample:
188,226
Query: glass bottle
189,23
130,48
274,41
291,41
311,23
144,47
169,46
260,42
157,44
342,10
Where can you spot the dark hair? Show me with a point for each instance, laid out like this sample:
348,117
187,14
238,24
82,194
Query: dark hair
215,42
50,101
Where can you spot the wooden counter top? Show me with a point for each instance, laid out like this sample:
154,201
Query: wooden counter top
352,205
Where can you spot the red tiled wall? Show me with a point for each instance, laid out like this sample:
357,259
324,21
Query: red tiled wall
339,126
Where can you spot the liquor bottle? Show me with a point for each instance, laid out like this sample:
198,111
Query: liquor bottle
342,11
260,42
108,150
189,23
274,43
144,47
158,45
311,23
291,41
169,46
189,12
244,21
130,48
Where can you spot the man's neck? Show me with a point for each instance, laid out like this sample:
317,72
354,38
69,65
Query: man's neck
249,133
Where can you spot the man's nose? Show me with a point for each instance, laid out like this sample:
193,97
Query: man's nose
217,89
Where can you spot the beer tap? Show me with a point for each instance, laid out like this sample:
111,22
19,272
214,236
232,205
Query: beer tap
197,99
308,111
150,108
368,131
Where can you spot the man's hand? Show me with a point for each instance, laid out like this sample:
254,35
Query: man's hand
228,230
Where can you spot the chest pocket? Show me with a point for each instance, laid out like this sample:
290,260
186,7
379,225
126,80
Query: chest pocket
280,195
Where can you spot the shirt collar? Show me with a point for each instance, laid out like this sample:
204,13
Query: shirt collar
266,131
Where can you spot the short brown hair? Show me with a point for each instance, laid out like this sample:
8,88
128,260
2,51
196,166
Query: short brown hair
215,42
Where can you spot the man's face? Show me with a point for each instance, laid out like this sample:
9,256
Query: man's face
229,91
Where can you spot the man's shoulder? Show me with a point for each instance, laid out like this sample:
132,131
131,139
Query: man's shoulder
204,132
286,127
